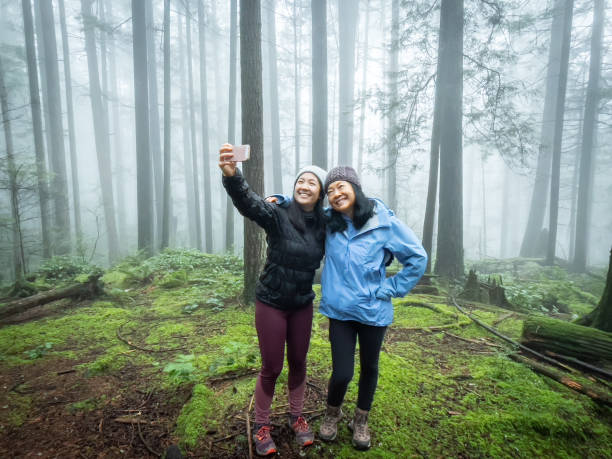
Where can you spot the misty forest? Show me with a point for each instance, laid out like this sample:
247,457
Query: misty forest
128,277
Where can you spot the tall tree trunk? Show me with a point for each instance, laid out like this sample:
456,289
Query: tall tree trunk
165,229
117,160
74,166
189,190
296,85
40,44
585,186
252,133
558,136
231,118
141,104
39,141
274,115
434,163
319,83
392,129
100,120
364,89
484,206
18,253
205,131
192,130
449,260
347,26
505,211
57,152
154,126
539,197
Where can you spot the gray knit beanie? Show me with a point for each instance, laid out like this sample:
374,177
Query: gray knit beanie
345,173
316,170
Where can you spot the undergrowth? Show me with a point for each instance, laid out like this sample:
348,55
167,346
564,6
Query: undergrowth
437,396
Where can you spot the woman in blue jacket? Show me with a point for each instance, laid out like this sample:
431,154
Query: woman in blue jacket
356,294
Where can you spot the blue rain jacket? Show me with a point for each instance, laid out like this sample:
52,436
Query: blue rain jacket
354,283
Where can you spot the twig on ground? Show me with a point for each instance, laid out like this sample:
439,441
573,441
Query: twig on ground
473,341
151,450
144,349
234,376
63,372
496,322
248,426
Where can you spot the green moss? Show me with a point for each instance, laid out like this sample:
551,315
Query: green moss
86,405
15,411
194,420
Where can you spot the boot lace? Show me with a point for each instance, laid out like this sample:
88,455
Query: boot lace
263,433
300,425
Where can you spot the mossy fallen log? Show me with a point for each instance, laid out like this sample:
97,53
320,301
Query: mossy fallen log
585,343
82,289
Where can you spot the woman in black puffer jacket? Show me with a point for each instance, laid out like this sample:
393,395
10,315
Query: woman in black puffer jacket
283,307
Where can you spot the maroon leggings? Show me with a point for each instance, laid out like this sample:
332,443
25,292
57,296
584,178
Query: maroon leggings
274,328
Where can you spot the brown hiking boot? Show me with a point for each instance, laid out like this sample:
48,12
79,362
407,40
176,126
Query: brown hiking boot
361,433
303,434
264,444
329,426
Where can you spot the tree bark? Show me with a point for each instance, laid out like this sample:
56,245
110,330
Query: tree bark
100,120
118,173
165,229
392,128
558,135
143,156
57,152
432,186
189,191
39,141
18,252
205,132
539,197
274,115
74,165
364,89
296,85
589,127
347,26
252,133
449,259
601,316
231,119
154,126
192,130
319,82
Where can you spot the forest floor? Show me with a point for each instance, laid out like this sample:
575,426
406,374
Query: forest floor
169,356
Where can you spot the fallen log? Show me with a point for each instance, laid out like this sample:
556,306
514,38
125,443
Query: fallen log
569,339
595,393
86,289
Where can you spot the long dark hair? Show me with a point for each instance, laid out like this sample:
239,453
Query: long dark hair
297,217
363,210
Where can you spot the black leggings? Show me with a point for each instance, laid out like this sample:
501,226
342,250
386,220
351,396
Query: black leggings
343,337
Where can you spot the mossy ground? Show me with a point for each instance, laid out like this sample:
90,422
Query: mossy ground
170,356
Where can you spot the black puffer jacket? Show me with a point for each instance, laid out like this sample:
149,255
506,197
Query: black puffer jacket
292,257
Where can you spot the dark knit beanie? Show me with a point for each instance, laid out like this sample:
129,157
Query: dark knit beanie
344,173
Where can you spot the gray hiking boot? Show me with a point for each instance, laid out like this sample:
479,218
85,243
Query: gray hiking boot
329,426
361,433
264,445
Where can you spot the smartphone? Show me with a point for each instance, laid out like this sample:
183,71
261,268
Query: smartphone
241,152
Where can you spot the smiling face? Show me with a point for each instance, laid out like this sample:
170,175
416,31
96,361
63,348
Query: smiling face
307,190
341,197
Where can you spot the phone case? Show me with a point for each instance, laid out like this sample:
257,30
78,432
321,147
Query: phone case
241,152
